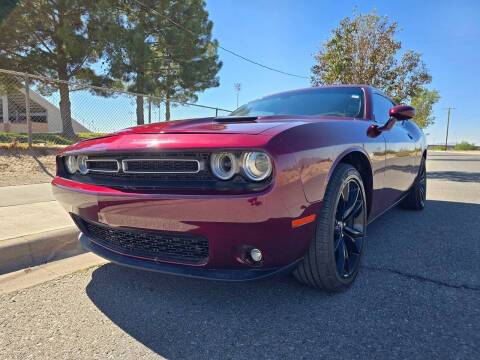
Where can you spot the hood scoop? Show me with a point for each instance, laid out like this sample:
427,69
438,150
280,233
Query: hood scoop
234,119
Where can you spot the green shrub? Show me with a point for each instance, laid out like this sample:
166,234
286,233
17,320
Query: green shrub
465,146
436,148
46,138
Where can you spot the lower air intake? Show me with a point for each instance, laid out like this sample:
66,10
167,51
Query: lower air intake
153,245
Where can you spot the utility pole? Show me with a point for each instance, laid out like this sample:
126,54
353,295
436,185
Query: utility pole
237,87
448,124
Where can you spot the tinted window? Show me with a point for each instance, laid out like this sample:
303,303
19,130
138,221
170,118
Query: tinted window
343,102
381,106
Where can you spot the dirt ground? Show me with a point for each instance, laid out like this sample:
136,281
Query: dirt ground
20,167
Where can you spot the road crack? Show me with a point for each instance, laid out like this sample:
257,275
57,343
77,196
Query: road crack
421,278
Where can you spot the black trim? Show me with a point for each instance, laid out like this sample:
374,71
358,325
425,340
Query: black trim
152,244
199,183
234,119
184,270
390,207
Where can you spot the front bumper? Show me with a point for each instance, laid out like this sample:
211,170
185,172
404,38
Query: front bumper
229,222
183,270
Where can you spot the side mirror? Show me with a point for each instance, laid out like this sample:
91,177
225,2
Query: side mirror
400,112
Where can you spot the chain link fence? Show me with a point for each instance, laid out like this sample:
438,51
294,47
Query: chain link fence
41,111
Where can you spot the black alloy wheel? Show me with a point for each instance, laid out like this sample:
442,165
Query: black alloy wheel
348,228
422,180
417,195
333,260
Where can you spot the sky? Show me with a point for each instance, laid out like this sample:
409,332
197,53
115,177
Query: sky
285,34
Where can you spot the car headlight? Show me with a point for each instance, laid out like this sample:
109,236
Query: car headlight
257,165
71,163
224,165
82,164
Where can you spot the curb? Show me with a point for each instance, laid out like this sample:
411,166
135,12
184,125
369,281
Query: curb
25,278
35,249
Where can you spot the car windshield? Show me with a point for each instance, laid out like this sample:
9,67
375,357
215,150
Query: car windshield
342,102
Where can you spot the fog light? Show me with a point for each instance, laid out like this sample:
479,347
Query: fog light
256,255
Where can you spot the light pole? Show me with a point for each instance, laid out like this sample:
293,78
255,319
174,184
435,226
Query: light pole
237,87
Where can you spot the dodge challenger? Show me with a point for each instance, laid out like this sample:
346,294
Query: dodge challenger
287,182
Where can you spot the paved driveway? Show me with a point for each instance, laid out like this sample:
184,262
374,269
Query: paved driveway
417,296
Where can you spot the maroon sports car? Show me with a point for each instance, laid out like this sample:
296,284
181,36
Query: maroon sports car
286,182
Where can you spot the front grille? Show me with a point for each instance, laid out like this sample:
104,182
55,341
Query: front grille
186,172
103,165
129,169
161,166
154,245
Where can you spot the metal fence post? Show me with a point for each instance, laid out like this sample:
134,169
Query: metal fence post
27,110
149,109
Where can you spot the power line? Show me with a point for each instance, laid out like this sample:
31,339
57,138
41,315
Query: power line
219,46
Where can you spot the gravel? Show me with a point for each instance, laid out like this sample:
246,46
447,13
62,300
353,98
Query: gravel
21,169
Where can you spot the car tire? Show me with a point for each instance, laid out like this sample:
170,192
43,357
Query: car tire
415,200
321,267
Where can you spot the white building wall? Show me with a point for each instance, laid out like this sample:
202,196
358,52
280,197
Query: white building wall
54,118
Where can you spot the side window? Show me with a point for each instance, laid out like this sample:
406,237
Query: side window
381,106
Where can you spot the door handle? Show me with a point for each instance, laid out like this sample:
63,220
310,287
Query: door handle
410,136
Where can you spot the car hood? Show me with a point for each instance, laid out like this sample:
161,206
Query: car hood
251,125
227,132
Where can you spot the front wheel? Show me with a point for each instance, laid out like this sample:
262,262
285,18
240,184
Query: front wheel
335,252
415,200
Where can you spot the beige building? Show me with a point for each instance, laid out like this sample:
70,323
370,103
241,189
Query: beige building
44,115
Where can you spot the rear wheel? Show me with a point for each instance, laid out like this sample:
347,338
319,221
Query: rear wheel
416,197
334,256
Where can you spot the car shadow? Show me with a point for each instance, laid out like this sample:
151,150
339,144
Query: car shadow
278,318
459,176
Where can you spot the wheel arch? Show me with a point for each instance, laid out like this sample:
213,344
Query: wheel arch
357,158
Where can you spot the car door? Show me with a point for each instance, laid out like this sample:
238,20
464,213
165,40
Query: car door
400,152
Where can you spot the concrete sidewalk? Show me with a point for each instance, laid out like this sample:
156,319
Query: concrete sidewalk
34,228
25,194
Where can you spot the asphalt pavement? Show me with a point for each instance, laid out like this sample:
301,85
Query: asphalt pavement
417,297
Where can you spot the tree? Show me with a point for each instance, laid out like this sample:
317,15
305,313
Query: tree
57,39
156,57
130,52
187,53
363,50
423,102
6,7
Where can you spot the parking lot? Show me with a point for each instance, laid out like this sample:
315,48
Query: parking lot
417,296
